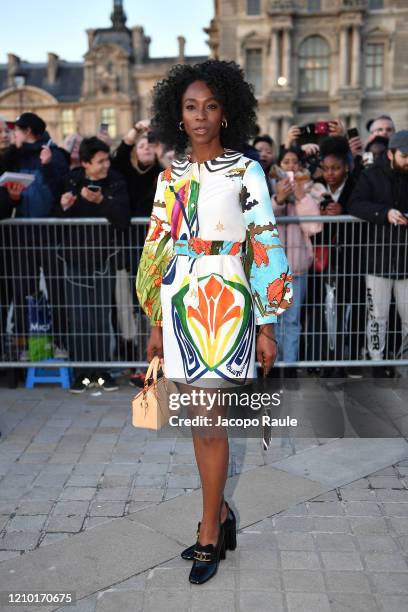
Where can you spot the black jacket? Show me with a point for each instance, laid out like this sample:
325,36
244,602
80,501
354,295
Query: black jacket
378,190
141,186
89,247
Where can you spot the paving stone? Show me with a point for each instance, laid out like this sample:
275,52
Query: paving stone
386,482
368,525
308,602
83,605
393,603
376,543
295,541
262,580
8,506
400,524
67,508
382,562
20,540
303,524
359,494
34,507
8,554
50,538
26,523
304,581
342,602
334,542
341,561
299,560
391,583
43,494
253,559
146,494
256,541
331,524
255,601
347,582
78,493
170,601
64,523
332,508
83,481
400,495
125,601
361,508
112,494
107,508
395,509
298,510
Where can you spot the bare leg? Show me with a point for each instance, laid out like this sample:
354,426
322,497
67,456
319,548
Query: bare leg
212,454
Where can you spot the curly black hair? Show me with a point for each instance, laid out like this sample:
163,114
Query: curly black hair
227,83
338,146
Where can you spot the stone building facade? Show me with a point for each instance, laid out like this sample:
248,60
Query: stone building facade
307,59
112,85
311,59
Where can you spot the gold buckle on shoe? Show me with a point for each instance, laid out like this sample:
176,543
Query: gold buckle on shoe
199,555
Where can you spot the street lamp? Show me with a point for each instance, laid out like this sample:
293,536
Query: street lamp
282,81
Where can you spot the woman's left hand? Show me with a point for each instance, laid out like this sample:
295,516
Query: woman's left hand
266,348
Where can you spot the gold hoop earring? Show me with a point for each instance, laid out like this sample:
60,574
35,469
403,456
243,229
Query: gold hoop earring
181,126
224,123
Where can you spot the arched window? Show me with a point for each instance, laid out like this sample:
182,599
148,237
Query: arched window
314,62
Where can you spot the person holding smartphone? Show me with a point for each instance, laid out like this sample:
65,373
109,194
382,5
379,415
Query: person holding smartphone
90,252
380,197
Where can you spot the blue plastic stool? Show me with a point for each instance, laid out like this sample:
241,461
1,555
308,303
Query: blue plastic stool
59,375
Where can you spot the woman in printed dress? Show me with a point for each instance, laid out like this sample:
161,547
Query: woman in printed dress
212,267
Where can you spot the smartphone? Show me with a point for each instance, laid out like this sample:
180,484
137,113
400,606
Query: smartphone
11,125
321,128
325,201
94,188
353,133
290,175
368,158
104,127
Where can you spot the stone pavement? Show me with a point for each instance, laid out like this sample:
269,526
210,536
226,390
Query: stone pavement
89,504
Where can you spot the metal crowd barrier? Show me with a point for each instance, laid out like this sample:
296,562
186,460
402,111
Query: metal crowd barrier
80,275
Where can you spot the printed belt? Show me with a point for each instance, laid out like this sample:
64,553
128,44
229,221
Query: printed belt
196,247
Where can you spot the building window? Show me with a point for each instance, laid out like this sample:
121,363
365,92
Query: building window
253,66
313,6
253,7
375,4
67,122
109,118
375,66
314,62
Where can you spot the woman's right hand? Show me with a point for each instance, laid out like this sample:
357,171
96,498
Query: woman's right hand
284,189
292,135
155,343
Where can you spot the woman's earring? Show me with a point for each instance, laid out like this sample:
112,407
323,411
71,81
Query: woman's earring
224,123
181,126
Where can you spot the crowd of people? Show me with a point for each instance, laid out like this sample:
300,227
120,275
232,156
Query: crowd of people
343,273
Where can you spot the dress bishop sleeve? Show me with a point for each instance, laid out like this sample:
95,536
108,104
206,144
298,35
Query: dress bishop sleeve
266,266
156,255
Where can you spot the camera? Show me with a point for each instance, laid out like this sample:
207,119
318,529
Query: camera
313,132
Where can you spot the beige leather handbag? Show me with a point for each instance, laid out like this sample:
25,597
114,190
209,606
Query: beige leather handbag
150,407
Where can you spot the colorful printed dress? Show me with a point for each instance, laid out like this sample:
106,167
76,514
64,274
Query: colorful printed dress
212,268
